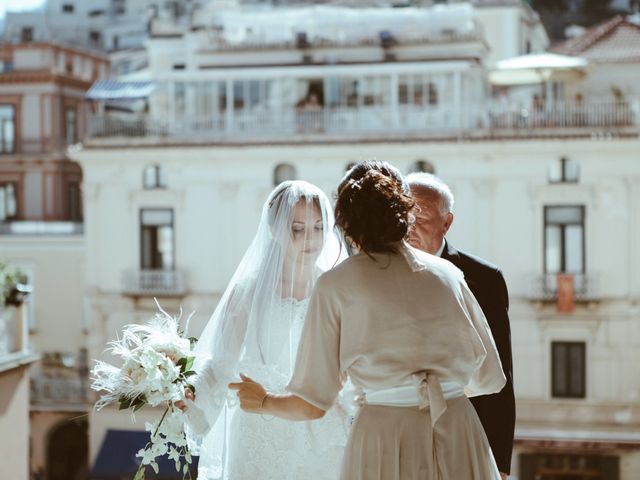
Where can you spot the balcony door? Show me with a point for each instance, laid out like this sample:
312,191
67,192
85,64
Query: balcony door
157,246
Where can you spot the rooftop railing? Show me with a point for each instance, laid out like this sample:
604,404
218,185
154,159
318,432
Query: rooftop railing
443,120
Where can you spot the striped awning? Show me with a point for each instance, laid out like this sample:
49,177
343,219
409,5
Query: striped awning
117,90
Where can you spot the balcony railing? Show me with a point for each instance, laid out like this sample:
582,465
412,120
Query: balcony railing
154,282
35,228
375,120
609,115
59,391
545,288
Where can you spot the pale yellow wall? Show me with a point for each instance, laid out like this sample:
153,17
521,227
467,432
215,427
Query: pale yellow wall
14,424
56,265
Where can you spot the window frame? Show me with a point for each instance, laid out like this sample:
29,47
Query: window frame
70,211
14,120
568,369
67,109
546,224
142,226
159,182
16,215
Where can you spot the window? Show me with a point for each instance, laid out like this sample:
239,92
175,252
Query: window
565,170
157,239
7,128
568,369
422,166
153,177
71,134
284,172
74,202
26,34
564,239
119,6
8,202
68,8
95,38
6,66
433,94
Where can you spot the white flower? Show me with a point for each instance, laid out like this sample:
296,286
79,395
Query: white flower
153,358
146,455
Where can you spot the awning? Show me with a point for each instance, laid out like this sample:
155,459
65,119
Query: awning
117,457
537,68
119,90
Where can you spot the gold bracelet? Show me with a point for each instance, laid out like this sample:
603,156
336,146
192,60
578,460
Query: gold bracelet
264,399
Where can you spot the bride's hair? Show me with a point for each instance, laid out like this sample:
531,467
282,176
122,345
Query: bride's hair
373,207
279,196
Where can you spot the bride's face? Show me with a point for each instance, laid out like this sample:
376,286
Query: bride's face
307,232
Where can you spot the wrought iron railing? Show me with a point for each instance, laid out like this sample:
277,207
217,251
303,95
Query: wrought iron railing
545,287
154,282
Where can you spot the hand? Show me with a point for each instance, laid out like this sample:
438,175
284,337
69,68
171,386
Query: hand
188,394
504,476
250,393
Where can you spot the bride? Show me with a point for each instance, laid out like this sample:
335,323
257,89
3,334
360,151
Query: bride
256,328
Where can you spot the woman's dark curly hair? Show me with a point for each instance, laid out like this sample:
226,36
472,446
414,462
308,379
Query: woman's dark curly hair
373,206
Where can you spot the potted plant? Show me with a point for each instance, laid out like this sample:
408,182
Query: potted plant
14,286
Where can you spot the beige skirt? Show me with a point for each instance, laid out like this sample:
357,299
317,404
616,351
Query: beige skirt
398,443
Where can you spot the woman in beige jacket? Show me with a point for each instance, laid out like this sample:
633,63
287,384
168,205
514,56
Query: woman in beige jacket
406,330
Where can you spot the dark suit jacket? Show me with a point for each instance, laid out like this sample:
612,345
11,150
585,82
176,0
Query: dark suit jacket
497,412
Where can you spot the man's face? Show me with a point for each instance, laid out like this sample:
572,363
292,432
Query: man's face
430,227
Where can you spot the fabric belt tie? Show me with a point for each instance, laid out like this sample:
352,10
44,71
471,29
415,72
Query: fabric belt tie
425,391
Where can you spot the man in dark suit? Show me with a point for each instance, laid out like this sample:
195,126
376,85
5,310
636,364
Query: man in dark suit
434,217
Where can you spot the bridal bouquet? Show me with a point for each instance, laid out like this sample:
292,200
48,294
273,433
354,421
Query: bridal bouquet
156,365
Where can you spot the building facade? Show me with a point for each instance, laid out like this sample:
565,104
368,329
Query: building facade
173,195
42,112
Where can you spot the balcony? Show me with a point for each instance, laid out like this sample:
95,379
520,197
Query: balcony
445,120
161,283
35,228
60,382
563,115
59,393
544,288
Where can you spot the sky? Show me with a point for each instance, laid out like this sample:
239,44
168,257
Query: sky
15,5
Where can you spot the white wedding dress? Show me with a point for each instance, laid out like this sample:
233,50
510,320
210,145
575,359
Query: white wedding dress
269,448
255,330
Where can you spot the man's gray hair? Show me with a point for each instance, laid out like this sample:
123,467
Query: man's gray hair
432,185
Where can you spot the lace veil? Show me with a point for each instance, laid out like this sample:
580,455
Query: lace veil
295,242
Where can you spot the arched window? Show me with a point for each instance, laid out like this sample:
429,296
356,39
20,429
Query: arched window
284,172
422,166
153,177
564,170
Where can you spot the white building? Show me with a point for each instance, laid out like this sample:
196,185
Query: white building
173,196
42,111
103,24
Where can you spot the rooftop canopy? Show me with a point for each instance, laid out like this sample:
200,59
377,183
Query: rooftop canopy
537,68
103,90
